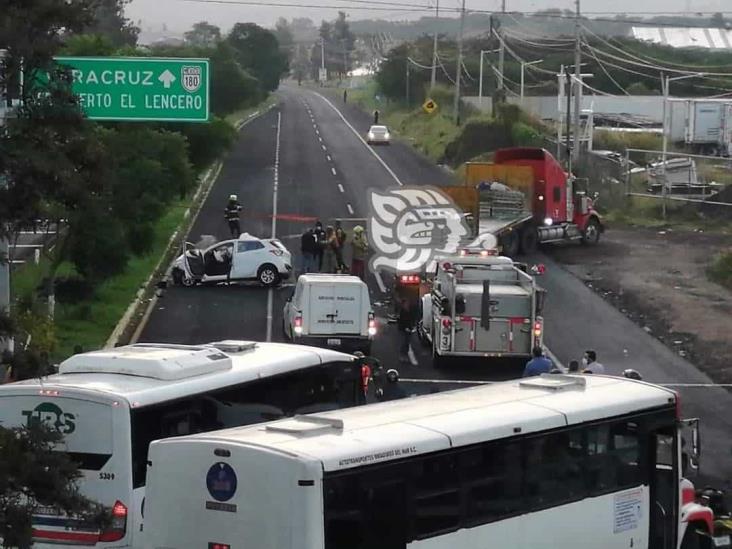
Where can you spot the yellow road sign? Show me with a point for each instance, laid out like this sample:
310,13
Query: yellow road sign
429,106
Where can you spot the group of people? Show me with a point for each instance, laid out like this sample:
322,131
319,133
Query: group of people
541,364
323,250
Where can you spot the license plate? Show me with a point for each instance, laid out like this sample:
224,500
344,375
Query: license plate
722,541
334,342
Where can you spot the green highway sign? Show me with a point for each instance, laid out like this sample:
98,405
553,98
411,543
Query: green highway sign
141,88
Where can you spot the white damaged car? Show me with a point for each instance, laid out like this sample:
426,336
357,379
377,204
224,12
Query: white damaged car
265,260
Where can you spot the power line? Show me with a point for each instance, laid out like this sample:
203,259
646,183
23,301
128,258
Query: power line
412,8
621,88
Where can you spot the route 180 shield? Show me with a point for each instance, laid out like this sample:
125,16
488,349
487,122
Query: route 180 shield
191,78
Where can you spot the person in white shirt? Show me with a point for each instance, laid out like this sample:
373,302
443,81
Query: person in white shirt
591,366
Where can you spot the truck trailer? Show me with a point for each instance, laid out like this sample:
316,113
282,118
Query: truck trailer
525,198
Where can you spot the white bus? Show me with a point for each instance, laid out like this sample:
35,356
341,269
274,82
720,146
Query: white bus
111,404
555,461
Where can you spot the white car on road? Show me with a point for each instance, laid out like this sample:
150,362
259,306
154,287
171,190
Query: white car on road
246,258
378,135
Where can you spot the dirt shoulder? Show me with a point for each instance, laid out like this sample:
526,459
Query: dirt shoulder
657,278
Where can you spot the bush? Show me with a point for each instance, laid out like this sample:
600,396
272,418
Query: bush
478,136
73,290
207,142
524,135
720,271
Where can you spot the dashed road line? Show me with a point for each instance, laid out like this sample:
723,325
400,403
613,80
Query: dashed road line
324,148
329,158
340,188
333,171
361,139
350,209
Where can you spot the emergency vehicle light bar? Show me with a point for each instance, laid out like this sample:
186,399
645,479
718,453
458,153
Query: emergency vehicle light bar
409,279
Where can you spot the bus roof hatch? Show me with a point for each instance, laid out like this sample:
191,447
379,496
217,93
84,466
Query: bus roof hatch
306,425
554,382
163,362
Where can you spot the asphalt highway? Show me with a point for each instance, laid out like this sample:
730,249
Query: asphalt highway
310,149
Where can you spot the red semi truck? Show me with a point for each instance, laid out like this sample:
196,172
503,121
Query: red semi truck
524,198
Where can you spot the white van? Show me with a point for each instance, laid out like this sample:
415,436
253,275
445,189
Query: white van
330,310
111,404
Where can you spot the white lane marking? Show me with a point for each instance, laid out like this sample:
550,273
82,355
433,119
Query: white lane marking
320,139
275,188
323,147
361,139
315,126
329,158
317,132
340,188
350,209
333,170
26,245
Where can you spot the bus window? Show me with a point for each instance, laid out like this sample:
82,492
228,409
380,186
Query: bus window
436,495
626,449
553,469
491,476
344,522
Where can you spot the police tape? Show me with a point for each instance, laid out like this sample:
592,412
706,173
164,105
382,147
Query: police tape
484,382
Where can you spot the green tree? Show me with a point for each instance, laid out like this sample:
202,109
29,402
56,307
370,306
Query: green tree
81,45
283,33
257,51
343,42
203,34
110,21
34,474
232,87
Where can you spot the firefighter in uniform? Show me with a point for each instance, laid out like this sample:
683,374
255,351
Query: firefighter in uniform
231,213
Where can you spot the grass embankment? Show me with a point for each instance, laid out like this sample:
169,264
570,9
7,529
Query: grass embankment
720,271
428,133
90,322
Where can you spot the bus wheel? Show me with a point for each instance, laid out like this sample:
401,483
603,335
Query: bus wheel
510,242
529,240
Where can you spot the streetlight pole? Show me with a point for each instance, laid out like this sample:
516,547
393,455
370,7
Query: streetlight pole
526,64
458,71
433,79
665,81
577,83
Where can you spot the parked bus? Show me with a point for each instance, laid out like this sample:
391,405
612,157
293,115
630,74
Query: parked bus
111,404
556,461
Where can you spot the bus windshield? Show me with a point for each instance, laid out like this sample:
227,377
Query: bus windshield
327,387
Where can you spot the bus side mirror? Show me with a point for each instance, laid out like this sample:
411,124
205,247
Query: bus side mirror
693,453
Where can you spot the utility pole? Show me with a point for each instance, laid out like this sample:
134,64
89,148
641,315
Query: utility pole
501,59
568,77
577,84
433,79
4,244
407,90
459,69
322,52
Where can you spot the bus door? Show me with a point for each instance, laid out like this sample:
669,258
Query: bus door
664,489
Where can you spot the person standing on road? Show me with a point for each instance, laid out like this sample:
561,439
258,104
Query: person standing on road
330,255
591,366
231,213
406,322
320,245
359,252
538,365
309,249
376,117
341,238
345,96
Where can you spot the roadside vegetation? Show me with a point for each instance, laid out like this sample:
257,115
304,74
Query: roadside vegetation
116,192
720,271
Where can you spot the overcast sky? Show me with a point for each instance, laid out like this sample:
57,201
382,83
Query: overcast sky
180,14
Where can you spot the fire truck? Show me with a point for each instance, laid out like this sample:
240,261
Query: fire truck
481,305
525,198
